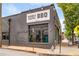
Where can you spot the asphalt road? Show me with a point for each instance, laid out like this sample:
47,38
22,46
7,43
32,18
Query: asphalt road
7,52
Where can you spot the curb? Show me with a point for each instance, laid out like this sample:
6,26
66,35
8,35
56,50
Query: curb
40,54
18,50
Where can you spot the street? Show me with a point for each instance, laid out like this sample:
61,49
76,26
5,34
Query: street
7,52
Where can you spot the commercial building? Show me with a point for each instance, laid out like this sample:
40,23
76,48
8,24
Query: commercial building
38,27
0,25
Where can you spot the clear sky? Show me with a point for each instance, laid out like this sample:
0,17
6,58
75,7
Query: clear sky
14,8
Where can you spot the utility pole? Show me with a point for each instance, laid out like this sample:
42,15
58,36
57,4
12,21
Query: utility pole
60,40
60,44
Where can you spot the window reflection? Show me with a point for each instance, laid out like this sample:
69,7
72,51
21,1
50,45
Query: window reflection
38,33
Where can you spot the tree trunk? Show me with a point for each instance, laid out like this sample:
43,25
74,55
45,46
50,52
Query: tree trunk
72,37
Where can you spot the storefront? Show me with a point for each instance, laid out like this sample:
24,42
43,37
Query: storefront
37,27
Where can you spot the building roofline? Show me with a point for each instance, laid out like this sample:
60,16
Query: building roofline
29,10
37,8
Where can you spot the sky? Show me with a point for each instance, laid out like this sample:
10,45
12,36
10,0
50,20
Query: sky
14,8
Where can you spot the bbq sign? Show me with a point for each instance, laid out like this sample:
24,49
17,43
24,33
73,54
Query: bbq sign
38,16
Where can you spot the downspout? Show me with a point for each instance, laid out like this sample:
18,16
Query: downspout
9,30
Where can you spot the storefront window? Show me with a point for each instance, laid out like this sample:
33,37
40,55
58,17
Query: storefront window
38,33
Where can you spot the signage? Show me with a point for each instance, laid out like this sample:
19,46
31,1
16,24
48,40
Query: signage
38,16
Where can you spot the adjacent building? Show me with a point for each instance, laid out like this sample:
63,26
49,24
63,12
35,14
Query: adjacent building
38,27
0,25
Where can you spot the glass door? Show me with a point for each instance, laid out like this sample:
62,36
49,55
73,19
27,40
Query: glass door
38,35
45,35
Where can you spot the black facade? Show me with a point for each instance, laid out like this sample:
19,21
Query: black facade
37,27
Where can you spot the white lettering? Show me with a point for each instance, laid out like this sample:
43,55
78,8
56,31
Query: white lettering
38,16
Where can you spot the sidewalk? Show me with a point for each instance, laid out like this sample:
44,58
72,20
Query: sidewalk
67,51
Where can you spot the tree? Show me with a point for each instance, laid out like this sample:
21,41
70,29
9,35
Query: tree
71,14
76,30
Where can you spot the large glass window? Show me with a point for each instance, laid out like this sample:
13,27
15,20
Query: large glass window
38,33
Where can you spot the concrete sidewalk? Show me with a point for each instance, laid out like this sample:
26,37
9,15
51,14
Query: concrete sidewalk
9,52
67,51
